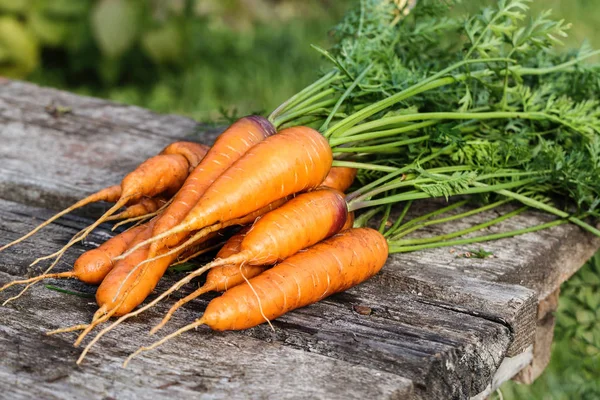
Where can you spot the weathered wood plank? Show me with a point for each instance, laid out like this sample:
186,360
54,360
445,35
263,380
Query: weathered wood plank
52,160
441,351
222,367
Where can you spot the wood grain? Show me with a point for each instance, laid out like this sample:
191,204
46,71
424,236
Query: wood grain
430,325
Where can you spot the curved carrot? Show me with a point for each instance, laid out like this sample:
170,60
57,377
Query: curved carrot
93,265
188,150
294,160
234,142
301,222
329,267
340,178
193,152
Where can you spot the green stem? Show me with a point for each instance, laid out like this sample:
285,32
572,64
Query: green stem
405,249
384,219
418,195
451,235
304,93
426,84
344,96
399,220
403,232
369,126
542,206
359,165
333,142
397,172
364,218
410,181
380,147
302,112
554,68
417,220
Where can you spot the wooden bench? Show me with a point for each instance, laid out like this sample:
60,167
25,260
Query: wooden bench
431,325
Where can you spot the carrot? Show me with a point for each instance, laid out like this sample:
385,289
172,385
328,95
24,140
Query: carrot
301,222
145,206
192,152
164,173
340,178
112,194
329,267
92,266
294,160
197,238
234,142
220,278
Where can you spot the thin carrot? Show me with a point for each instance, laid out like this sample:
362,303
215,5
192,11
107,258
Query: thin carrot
294,160
301,222
188,150
115,301
197,238
164,173
340,178
232,144
193,152
93,265
146,205
329,267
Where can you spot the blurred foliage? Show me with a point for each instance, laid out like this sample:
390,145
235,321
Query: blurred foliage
185,56
574,370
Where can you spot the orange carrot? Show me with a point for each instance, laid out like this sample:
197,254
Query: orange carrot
93,265
301,222
197,238
234,142
329,267
164,173
294,160
340,178
193,152
146,205
124,288
188,150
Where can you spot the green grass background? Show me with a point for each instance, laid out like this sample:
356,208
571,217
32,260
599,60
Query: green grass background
209,58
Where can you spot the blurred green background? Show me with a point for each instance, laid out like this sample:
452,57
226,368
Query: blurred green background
206,58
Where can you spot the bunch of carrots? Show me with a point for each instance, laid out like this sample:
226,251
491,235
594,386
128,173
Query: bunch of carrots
270,192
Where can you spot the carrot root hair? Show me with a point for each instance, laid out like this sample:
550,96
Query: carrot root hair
181,302
130,314
38,278
101,315
260,308
82,234
163,340
68,329
140,219
104,194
